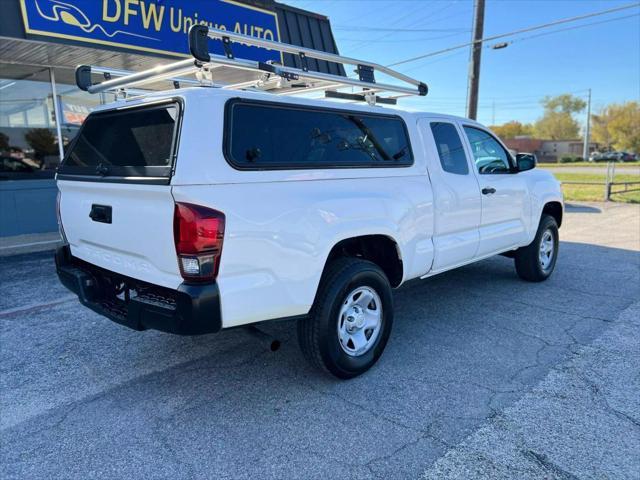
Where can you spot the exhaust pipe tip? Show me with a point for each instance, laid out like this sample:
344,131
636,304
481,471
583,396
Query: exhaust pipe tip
273,344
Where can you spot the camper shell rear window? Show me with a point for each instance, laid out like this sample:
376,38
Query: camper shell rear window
133,143
274,136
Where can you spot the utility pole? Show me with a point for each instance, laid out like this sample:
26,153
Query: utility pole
587,130
474,62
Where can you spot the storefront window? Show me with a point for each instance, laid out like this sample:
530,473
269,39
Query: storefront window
29,143
74,103
28,138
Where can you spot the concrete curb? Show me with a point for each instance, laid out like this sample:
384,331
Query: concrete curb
31,243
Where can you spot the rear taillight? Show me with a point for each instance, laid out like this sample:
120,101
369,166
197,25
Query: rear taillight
59,216
198,233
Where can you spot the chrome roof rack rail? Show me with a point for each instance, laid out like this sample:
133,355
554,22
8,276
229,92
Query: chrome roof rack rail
273,77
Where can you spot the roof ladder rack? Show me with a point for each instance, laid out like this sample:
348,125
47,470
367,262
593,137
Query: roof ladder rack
275,78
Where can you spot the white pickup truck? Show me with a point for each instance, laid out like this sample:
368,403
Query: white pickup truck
200,209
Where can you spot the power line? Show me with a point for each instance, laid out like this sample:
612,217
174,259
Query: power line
439,37
498,103
515,32
427,18
503,102
367,1
435,60
446,17
397,30
575,27
539,95
444,57
359,45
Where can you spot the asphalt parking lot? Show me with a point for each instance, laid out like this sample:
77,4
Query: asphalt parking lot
484,376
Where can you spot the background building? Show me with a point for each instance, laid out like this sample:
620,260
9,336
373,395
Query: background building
563,148
548,151
42,41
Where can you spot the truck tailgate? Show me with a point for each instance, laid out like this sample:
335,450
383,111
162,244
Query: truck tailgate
137,239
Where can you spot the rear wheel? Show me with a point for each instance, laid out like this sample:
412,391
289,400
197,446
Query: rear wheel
536,261
350,321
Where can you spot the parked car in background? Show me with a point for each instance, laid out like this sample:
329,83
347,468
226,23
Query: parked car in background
13,165
625,157
612,157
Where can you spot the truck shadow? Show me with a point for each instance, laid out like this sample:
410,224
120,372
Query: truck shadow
581,208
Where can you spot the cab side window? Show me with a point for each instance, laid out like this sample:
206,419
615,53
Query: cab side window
489,155
450,150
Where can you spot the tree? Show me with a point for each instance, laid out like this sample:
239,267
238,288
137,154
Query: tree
564,103
42,141
4,142
512,129
557,126
618,126
558,123
599,131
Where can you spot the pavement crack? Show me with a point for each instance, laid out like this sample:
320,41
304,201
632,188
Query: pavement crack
557,310
593,294
528,335
541,307
537,363
365,409
622,415
395,451
11,312
543,461
599,397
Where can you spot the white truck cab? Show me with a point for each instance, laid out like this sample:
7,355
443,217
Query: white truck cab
200,209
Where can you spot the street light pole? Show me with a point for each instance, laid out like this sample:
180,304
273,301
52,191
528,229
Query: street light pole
587,130
474,62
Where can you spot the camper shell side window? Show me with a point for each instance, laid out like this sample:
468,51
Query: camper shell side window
274,136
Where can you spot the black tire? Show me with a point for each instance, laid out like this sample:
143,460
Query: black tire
318,332
527,259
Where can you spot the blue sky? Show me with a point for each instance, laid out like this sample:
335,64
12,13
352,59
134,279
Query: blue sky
604,57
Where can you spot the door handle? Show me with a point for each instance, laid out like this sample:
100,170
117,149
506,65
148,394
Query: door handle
100,213
488,190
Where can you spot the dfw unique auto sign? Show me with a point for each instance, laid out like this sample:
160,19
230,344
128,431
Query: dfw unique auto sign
159,26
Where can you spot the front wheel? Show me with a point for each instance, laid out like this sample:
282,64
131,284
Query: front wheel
350,321
536,261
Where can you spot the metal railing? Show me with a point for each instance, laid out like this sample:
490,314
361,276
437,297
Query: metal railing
609,183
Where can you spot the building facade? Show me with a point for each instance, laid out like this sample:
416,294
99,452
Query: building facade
548,151
42,41
563,148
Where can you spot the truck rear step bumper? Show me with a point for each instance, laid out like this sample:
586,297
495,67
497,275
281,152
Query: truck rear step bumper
189,310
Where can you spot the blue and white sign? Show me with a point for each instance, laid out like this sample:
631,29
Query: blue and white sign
155,26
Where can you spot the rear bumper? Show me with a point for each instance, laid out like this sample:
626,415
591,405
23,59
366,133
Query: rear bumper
189,310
